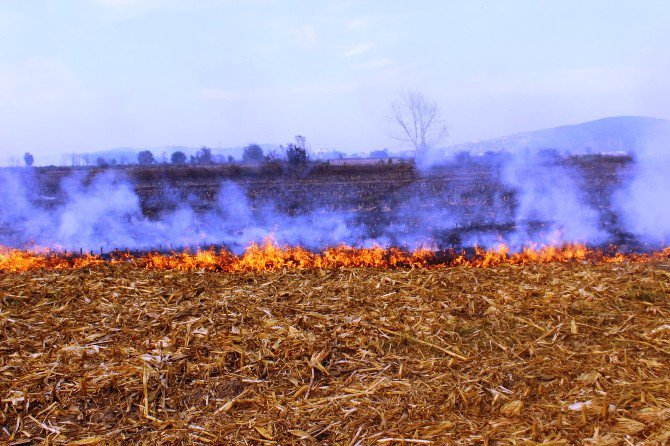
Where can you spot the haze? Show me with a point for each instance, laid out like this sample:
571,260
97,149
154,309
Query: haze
88,75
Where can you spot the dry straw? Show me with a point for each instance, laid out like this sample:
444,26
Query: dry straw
553,354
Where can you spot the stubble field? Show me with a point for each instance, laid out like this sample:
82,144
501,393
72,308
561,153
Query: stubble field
558,353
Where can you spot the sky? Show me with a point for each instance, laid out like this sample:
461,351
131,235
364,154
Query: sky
90,75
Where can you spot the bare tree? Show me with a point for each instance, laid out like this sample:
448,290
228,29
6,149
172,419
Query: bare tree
419,120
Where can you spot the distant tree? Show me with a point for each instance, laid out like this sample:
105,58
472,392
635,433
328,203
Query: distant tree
203,156
178,157
297,154
231,160
113,162
253,153
379,154
101,162
145,158
206,156
419,121
28,159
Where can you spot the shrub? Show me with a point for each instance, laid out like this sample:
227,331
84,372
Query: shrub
296,153
28,159
253,153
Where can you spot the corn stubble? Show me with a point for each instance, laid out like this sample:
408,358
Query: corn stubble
543,353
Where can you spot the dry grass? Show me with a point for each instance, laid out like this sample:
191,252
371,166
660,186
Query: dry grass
562,353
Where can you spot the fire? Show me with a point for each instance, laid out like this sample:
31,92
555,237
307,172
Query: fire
270,256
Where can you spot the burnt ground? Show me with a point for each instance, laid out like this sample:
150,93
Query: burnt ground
472,189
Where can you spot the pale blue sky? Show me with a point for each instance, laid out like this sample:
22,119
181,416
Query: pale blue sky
86,75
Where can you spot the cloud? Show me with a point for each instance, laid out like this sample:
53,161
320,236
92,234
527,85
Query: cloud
358,49
135,6
276,93
120,3
377,63
132,9
38,82
614,82
304,35
146,4
356,23
6,21
217,94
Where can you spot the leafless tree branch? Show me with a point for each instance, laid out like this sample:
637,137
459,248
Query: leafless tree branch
419,120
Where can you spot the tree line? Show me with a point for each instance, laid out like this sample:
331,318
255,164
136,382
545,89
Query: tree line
296,153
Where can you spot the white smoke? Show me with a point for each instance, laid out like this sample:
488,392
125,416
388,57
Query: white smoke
517,200
551,209
107,214
642,203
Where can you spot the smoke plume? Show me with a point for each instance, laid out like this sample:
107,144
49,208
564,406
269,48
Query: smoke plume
523,200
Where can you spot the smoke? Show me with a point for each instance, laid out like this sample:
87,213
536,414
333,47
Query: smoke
485,200
550,206
642,201
532,198
594,199
106,213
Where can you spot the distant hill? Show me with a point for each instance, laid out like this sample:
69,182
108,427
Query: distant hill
607,135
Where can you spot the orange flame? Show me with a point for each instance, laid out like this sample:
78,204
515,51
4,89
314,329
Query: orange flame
269,256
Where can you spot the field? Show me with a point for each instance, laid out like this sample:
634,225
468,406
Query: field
378,196
558,353
344,346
